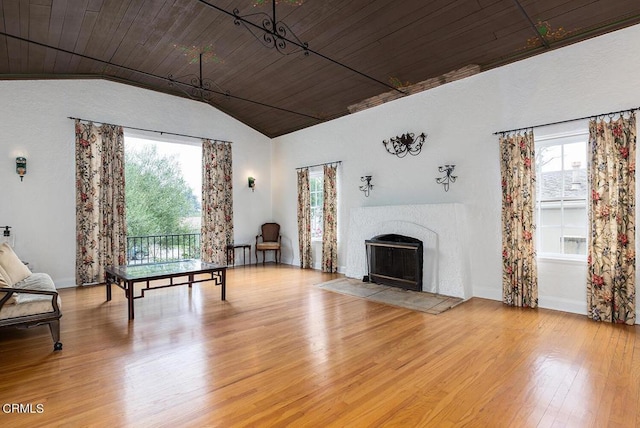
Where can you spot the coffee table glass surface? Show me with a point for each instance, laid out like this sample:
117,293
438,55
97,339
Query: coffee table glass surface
155,270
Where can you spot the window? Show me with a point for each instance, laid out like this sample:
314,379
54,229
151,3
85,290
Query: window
316,189
163,193
562,189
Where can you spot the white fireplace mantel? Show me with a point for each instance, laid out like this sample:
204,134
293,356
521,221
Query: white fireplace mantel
441,228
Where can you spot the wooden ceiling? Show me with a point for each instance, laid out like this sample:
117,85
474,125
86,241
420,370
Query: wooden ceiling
360,50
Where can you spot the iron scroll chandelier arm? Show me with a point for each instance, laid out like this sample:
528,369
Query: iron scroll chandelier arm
406,143
275,34
284,37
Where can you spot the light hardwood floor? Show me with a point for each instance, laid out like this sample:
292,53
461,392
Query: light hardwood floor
281,352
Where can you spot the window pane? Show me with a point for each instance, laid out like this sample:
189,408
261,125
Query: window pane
549,158
575,166
575,214
575,242
550,240
550,214
562,189
317,198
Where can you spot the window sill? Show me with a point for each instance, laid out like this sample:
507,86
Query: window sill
562,260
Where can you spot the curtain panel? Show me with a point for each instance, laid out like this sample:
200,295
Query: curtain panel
101,227
329,221
611,254
519,269
304,218
217,201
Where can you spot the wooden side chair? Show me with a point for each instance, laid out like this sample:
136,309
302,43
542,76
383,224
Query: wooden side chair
271,241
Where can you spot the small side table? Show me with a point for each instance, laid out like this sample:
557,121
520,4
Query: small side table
231,253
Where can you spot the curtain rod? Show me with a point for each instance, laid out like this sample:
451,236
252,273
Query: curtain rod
152,130
569,120
319,164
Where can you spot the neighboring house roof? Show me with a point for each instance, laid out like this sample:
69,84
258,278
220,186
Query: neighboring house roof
551,184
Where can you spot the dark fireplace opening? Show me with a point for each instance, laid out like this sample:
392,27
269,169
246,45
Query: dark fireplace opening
395,260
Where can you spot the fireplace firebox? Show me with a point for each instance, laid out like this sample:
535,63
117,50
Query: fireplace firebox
395,260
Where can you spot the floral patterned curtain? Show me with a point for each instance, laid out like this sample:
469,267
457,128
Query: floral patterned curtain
329,221
217,201
101,227
519,269
304,218
611,261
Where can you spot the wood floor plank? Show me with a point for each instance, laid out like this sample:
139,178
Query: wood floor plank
281,352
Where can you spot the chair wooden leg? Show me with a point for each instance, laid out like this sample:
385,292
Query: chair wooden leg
54,327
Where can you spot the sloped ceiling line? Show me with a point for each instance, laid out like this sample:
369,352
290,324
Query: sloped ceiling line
169,80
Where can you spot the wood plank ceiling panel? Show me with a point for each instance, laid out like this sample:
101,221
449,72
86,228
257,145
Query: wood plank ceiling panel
444,35
39,16
391,41
11,10
73,18
4,53
89,19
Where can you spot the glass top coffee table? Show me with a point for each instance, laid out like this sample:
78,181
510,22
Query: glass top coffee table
126,276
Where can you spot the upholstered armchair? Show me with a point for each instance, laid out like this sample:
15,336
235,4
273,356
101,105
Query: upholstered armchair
269,240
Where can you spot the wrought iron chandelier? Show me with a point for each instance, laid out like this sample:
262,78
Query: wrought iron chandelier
276,34
406,143
199,88
271,32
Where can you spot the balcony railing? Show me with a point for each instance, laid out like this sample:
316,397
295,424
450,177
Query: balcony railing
162,248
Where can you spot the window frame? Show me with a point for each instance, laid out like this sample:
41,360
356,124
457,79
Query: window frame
580,135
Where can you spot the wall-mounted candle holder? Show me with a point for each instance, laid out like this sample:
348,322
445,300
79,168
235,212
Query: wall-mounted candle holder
448,177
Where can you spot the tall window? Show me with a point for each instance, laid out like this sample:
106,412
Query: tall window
562,189
163,192
316,181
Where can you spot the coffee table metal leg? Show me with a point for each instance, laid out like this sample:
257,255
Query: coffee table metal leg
108,278
130,297
223,273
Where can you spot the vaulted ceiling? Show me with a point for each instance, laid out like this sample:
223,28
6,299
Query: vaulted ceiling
334,57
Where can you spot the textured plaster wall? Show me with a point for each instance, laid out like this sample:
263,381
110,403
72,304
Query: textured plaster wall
34,122
440,227
460,118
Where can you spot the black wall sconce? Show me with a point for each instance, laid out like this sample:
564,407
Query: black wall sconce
447,178
367,186
7,236
252,184
406,143
21,166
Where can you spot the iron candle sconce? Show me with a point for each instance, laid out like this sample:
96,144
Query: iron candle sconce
448,177
252,184
367,186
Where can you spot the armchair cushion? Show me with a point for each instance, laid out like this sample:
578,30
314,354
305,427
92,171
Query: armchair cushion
30,304
5,282
267,246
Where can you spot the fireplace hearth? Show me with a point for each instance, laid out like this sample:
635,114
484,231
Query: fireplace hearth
395,260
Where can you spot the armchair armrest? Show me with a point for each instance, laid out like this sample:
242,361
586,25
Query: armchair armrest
11,291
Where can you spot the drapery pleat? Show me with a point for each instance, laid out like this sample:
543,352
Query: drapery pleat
519,269
611,259
304,218
217,201
101,227
329,221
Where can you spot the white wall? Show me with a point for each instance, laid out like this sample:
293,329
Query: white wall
34,122
595,76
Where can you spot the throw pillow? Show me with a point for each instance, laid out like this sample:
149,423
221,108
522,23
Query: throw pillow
4,282
13,267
